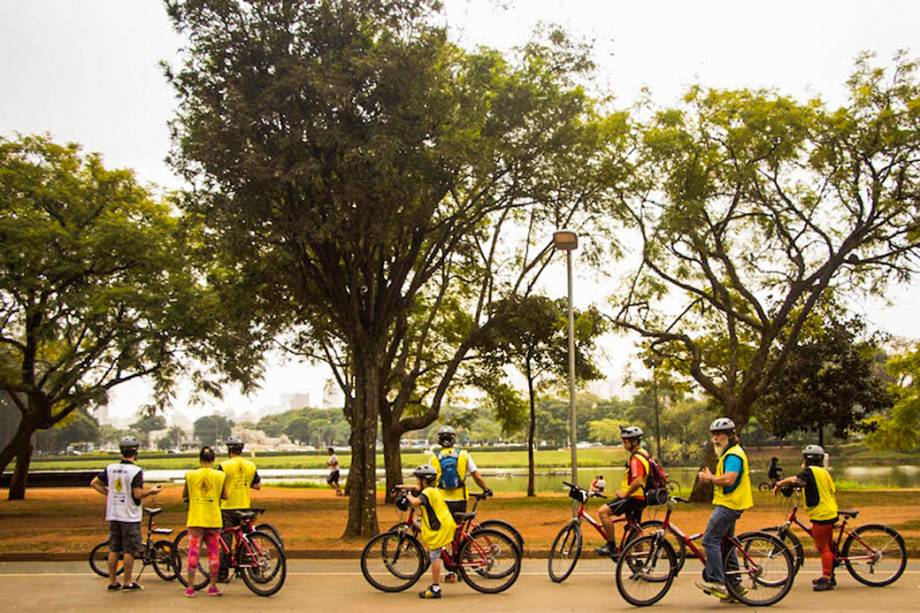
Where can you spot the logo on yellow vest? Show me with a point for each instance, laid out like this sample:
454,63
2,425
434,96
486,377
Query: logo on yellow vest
205,487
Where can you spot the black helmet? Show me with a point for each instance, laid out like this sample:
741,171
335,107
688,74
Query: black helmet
426,471
447,436
234,444
631,432
128,445
723,424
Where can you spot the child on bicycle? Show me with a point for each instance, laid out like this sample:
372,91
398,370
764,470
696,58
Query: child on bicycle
438,525
204,489
821,506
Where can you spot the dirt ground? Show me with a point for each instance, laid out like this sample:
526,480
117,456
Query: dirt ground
71,519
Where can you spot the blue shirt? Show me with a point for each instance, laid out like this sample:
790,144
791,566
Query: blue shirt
733,464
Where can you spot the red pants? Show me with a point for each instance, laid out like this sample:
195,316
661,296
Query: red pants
823,534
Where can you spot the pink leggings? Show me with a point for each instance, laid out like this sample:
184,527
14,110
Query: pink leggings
194,543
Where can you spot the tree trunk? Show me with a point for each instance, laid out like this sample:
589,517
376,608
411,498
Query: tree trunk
531,490
20,448
362,477
821,436
702,492
392,460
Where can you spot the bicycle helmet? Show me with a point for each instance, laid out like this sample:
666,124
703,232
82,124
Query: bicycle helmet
447,436
723,424
631,432
813,453
128,445
235,444
426,471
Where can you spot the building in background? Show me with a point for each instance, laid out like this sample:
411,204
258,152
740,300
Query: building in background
299,400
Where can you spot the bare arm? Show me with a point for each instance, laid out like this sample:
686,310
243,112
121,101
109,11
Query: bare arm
97,485
185,492
141,493
479,480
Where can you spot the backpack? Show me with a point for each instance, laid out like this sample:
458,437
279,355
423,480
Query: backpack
657,476
450,472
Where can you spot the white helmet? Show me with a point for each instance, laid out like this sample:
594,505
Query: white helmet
814,452
631,432
723,424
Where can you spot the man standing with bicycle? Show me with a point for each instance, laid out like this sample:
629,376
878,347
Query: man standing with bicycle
732,495
122,484
630,498
241,477
452,467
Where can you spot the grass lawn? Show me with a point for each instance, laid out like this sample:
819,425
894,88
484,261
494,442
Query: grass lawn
71,519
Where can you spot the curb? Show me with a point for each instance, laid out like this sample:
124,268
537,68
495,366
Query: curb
291,554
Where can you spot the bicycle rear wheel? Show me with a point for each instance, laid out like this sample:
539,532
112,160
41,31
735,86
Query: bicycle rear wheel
489,561
645,570
180,548
393,561
875,555
262,563
163,560
99,560
765,570
507,528
270,530
564,554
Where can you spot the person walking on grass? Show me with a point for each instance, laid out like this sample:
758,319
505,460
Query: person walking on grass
821,506
122,484
732,495
204,489
333,478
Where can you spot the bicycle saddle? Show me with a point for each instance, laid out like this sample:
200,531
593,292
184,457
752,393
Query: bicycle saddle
463,516
243,515
851,513
152,512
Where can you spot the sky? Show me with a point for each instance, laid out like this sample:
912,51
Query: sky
88,71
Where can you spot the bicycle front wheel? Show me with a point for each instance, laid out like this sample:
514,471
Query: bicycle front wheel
646,570
262,562
564,554
875,555
393,561
759,569
790,540
680,549
489,561
164,562
180,548
99,560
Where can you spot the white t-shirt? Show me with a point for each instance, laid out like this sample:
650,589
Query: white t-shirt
333,462
120,503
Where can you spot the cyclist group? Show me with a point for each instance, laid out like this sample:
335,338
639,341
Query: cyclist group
441,492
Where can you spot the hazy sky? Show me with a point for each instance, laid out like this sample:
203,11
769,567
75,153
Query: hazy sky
87,71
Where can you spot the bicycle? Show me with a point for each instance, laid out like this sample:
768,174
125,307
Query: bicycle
566,548
765,566
488,560
257,557
862,551
158,554
412,524
767,486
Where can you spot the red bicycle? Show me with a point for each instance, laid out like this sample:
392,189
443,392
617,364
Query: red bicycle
874,554
759,568
255,556
566,548
488,560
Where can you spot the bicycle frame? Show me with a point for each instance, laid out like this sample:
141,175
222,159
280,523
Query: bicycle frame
793,519
583,515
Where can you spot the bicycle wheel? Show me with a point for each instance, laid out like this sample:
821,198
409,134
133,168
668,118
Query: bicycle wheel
673,488
503,526
489,561
791,541
180,549
270,529
396,547
164,563
262,563
564,554
875,555
765,570
99,560
680,549
393,561
764,486
645,570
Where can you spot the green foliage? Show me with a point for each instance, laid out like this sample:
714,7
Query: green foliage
212,428
900,430
317,427
78,427
606,431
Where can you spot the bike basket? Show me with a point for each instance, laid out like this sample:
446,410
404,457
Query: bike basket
577,494
656,497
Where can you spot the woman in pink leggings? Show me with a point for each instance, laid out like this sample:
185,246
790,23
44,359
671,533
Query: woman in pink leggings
204,489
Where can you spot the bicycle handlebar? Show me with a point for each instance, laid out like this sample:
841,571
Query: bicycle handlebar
679,499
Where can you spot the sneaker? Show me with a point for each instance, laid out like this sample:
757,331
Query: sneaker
822,585
430,592
607,551
114,587
134,586
450,578
190,592
713,589
819,579
213,591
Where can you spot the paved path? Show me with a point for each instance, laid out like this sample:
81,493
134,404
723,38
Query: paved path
337,585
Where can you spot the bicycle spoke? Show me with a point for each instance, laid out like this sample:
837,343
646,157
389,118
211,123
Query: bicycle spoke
645,570
875,555
760,570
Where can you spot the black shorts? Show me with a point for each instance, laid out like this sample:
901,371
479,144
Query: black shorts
333,477
125,537
456,506
630,507
231,517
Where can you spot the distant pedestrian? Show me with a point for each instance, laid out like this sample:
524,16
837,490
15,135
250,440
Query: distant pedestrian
333,478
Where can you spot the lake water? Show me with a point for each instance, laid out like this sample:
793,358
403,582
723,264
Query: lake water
550,479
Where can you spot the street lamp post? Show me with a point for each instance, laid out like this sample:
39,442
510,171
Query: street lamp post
567,241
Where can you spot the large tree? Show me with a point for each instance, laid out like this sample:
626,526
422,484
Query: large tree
353,166
752,206
95,289
899,430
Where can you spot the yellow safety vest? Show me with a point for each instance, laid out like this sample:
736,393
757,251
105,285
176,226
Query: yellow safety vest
240,473
205,486
459,493
826,509
741,497
438,525
640,492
